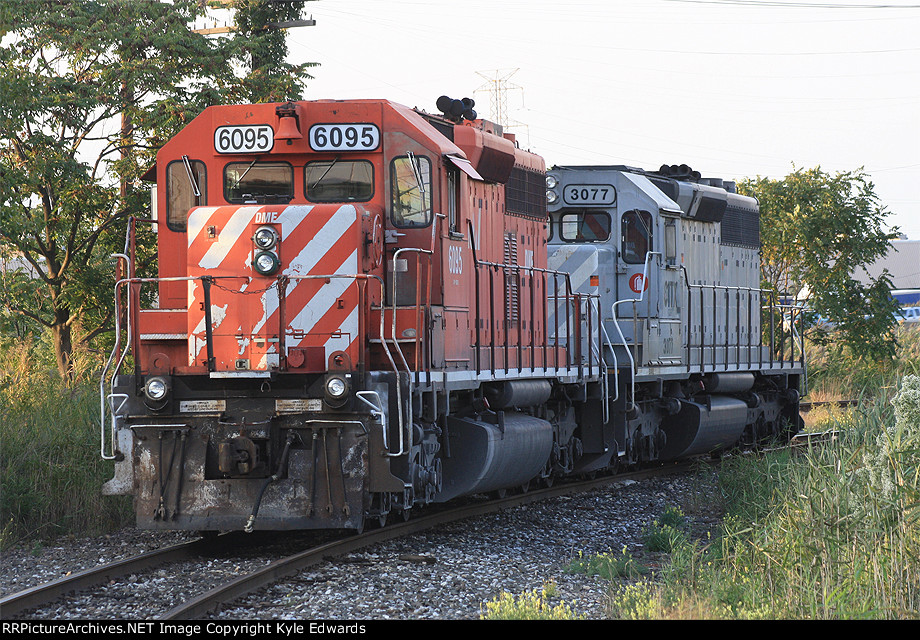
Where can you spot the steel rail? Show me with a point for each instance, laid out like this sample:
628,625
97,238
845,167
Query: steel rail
207,602
805,407
34,597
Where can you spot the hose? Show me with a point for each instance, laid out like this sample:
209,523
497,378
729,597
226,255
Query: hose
277,476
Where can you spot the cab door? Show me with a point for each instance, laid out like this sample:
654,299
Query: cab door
638,237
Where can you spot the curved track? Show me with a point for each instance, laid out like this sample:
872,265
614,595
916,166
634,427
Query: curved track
198,607
16,603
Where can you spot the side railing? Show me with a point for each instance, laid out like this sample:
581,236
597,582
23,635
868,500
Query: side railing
757,334
577,336
758,331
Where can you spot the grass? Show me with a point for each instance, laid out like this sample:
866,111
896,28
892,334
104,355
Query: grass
833,533
607,565
50,468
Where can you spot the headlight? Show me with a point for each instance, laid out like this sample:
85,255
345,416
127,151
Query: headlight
265,237
266,263
156,389
336,387
551,182
551,196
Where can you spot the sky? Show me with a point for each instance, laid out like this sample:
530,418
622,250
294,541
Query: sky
733,88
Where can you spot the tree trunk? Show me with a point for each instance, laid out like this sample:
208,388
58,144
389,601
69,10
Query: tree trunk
63,348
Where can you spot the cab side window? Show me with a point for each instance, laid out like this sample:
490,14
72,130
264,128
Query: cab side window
636,233
186,187
410,191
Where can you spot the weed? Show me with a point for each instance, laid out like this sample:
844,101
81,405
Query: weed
607,565
666,531
532,605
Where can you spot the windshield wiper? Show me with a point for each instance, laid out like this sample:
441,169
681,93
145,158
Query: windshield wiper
417,170
240,179
325,173
191,177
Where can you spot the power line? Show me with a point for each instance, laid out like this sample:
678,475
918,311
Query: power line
799,5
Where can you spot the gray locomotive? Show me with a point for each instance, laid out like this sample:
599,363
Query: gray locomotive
698,357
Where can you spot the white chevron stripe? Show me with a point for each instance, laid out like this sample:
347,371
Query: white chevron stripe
321,243
325,298
239,222
349,329
198,220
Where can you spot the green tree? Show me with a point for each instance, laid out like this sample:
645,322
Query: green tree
90,89
259,35
818,233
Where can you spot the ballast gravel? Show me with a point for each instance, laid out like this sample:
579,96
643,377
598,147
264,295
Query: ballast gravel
450,573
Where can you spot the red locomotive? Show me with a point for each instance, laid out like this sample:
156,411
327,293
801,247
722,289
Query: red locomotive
350,320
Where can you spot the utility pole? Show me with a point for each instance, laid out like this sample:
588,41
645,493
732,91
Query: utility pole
227,28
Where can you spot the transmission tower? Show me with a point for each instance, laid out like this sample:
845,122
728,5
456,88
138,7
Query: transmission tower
498,87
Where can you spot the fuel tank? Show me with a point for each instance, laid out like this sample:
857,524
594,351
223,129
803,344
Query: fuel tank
703,427
485,456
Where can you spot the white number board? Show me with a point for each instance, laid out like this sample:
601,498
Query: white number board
589,194
258,138
344,137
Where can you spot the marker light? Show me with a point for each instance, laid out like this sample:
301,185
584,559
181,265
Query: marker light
266,263
265,237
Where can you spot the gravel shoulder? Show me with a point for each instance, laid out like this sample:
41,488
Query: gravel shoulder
445,574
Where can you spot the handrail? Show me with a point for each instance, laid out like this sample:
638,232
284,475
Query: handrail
616,323
750,291
102,395
122,352
603,364
402,356
570,301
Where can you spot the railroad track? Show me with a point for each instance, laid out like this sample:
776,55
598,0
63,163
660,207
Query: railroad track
199,606
805,407
804,440
41,596
38,596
